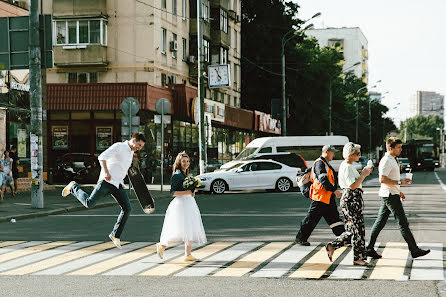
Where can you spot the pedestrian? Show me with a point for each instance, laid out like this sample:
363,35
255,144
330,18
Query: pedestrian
15,170
115,162
391,200
352,205
322,192
7,173
1,180
182,223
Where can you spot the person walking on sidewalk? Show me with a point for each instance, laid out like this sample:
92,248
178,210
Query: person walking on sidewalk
391,200
7,173
182,222
15,170
322,192
352,205
115,162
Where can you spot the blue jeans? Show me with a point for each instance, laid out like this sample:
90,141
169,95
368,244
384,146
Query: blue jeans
103,188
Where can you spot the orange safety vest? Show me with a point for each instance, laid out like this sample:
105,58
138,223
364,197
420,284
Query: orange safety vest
317,190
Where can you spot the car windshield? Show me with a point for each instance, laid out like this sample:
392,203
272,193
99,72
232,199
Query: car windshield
246,152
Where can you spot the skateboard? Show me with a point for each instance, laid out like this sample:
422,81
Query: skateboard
141,191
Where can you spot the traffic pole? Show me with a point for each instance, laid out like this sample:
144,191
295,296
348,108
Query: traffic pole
36,107
201,89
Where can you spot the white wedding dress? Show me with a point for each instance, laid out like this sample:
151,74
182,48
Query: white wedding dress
182,223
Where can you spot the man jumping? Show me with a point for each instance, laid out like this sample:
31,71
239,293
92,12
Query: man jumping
115,162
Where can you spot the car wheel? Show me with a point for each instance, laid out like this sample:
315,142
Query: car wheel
218,186
283,184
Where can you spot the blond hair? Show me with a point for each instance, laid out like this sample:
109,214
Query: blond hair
177,164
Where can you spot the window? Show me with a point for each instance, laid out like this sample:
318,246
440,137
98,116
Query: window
235,76
172,79
223,20
205,9
75,32
82,77
206,50
175,40
164,4
184,49
163,40
223,56
268,166
184,9
174,7
235,40
163,79
266,150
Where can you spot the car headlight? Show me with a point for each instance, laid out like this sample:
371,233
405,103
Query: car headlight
408,165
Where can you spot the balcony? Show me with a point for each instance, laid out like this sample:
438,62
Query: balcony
82,8
220,3
219,37
80,55
206,28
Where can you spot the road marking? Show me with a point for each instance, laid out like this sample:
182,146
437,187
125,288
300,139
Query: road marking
284,262
392,263
219,260
48,263
440,181
8,243
254,259
294,214
178,263
429,267
31,250
317,265
147,262
346,269
118,261
44,255
19,246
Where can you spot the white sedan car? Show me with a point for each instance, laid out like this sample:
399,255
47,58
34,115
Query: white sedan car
251,175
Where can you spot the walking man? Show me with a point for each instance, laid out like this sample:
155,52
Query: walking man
322,192
115,162
391,198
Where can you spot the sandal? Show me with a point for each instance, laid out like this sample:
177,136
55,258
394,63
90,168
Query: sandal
362,263
330,251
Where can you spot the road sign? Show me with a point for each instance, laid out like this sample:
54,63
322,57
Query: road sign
132,121
14,45
130,106
166,119
162,106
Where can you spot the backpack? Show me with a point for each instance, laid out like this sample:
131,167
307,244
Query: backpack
304,182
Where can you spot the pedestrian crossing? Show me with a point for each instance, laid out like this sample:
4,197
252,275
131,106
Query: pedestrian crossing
217,259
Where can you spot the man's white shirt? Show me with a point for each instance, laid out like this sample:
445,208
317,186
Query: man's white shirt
388,166
119,159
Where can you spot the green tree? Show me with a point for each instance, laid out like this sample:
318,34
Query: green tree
422,127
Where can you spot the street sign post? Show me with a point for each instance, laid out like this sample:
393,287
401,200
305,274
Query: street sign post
162,106
130,122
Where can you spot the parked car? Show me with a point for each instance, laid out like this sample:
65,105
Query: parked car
80,167
213,164
404,164
289,159
251,175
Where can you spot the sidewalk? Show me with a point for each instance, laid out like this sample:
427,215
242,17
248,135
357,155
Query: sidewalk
19,206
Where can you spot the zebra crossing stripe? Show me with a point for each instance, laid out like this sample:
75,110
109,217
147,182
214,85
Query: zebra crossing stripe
393,262
178,263
44,255
254,259
217,261
31,250
429,267
284,262
58,260
317,265
8,243
118,261
346,269
147,262
20,246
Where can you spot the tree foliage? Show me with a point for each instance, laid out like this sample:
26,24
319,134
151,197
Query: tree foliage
422,127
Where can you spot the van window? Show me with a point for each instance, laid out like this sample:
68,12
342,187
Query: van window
266,150
309,153
246,152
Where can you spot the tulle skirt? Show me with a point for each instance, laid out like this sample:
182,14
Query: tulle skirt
182,223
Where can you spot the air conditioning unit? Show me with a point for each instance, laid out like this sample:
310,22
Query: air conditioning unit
173,46
238,19
191,59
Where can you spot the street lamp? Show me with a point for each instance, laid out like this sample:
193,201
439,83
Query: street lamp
330,93
285,38
442,146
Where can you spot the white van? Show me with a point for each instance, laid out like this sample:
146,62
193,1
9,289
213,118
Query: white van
309,147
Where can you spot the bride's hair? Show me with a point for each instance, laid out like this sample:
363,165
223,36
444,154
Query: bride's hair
177,164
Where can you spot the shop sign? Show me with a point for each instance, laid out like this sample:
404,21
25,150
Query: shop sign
265,123
21,143
104,138
216,110
20,87
60,137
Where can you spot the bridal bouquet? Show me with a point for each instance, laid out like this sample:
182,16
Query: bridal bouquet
191,183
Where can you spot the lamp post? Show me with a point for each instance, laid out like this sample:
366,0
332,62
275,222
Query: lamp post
441,146
285,38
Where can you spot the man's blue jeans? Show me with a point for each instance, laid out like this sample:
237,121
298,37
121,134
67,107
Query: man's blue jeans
103,188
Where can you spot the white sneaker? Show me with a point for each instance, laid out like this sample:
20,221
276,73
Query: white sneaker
116,241
67,190
160,250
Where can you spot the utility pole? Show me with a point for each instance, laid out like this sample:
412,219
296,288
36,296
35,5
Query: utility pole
329,107
36,106
201,88
357,120
284,105
370,128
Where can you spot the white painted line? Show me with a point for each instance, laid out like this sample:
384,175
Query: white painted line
283,263
20,246
44,255
440,181
85,261
147,262
219,260
429,267
294,214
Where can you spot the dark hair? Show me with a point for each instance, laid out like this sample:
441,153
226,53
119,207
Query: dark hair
139,136
393,141
13,147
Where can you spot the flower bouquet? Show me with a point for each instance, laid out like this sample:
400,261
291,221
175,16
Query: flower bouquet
191,183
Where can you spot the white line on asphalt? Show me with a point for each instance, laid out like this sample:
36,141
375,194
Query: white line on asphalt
440,181
203,215
429,267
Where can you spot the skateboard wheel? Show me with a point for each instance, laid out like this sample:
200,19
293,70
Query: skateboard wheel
148,210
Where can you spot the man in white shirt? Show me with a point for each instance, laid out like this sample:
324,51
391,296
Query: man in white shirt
115,162
391,198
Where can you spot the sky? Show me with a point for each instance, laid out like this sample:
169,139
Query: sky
406,43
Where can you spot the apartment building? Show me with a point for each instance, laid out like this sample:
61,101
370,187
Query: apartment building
426,103
351,42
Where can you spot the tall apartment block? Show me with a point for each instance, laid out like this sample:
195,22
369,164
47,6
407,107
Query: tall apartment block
426,103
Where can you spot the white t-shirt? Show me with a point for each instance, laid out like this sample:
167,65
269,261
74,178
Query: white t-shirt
119,158
347,175
388,166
